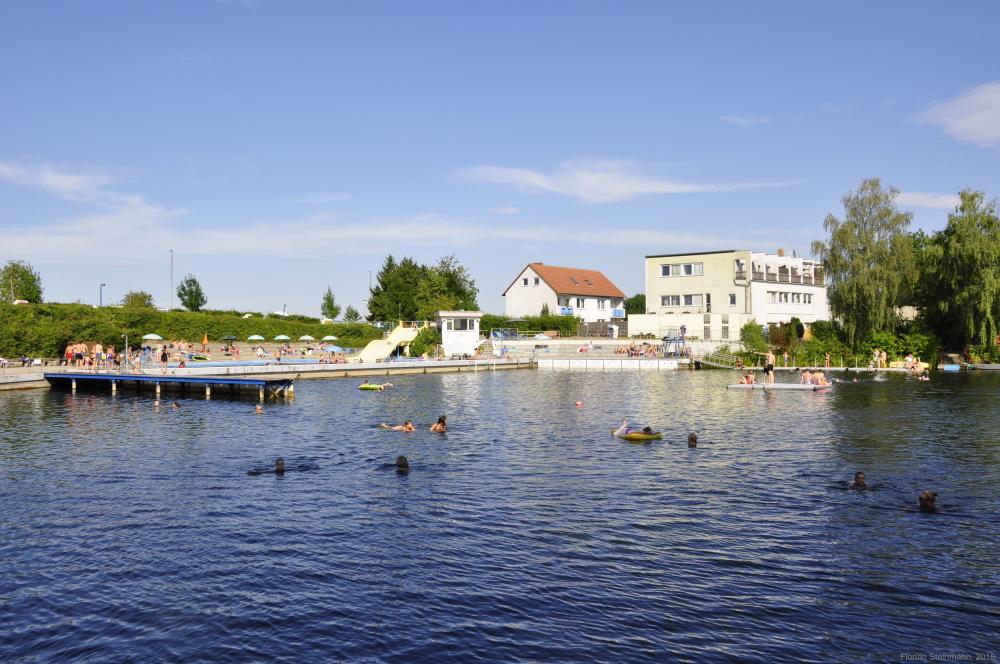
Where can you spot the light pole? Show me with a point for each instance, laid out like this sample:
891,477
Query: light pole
171,278
100,296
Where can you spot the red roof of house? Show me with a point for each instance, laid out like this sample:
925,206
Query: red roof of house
572,281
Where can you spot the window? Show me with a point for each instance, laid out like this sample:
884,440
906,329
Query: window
708,333
670,300
462,324
772,296
682,270
808,298
732,299
580,302
797,298
692,300
725,331
448,324
537,280
525,281
784,297
602,304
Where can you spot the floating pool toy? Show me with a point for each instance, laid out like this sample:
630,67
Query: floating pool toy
638,436
371,387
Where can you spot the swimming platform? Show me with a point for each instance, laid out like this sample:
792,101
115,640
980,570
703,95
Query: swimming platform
264,387
780,386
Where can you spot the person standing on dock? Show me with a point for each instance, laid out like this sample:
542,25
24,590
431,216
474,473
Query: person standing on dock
769,367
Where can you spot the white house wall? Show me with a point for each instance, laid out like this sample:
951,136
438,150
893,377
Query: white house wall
521,300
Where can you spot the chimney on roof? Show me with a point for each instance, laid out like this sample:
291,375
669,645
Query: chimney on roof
781,252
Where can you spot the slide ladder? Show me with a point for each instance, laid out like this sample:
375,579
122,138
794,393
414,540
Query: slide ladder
380,349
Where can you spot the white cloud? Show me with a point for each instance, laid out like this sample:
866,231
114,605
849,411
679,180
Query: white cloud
600,182
746,120
508,210
923,200
973,117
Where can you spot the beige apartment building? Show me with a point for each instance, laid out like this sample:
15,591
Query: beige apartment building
713,294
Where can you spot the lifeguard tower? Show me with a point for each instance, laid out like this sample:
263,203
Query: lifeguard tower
459,332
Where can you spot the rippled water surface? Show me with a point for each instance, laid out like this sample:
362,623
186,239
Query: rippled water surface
525,533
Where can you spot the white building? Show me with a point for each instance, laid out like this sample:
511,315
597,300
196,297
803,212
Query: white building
567,291
713,294
459,331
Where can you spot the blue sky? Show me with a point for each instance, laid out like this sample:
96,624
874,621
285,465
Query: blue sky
279,147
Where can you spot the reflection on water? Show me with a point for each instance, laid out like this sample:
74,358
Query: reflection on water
526,532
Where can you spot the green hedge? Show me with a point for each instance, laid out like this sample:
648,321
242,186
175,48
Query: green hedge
43,330
567,326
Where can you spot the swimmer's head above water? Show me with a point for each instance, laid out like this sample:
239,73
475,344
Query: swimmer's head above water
402,465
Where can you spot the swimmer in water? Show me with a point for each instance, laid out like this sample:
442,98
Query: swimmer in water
279,468
402,465
441,425
692,439
259,409
927,500
176,405
406,426
623,430
859,481
806,377
156,404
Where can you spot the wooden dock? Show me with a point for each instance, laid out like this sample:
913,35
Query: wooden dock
111,382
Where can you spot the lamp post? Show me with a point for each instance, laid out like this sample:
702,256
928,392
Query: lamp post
100,296
171,278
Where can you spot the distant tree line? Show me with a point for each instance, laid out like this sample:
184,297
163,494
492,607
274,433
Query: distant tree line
875,268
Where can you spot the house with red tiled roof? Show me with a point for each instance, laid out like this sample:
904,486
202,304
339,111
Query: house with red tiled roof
569,291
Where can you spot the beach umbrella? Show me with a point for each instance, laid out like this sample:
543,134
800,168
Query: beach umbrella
152,337
282,337
333,349
329,337
542,337
229,337
204,340
306,337
255,337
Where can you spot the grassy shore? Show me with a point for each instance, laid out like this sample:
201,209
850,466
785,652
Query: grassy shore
43,330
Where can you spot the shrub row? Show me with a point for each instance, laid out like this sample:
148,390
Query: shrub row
44,330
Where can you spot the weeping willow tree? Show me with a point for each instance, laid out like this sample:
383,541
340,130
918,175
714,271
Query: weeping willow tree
968,270
868,260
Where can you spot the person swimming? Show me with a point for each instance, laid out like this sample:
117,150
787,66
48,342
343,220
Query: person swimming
623,430
859,481
402,465
406,426
441,425
692,439
279,468
927,501
806,377
259,410
176,405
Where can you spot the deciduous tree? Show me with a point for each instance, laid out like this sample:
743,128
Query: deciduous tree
190,294
19,281
868,260
138,299
329,307
351,314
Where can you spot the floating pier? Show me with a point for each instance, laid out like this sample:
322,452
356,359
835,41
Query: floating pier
113,382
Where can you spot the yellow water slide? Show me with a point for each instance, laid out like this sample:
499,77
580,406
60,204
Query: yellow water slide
380,349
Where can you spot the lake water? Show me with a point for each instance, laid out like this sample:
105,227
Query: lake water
525,533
